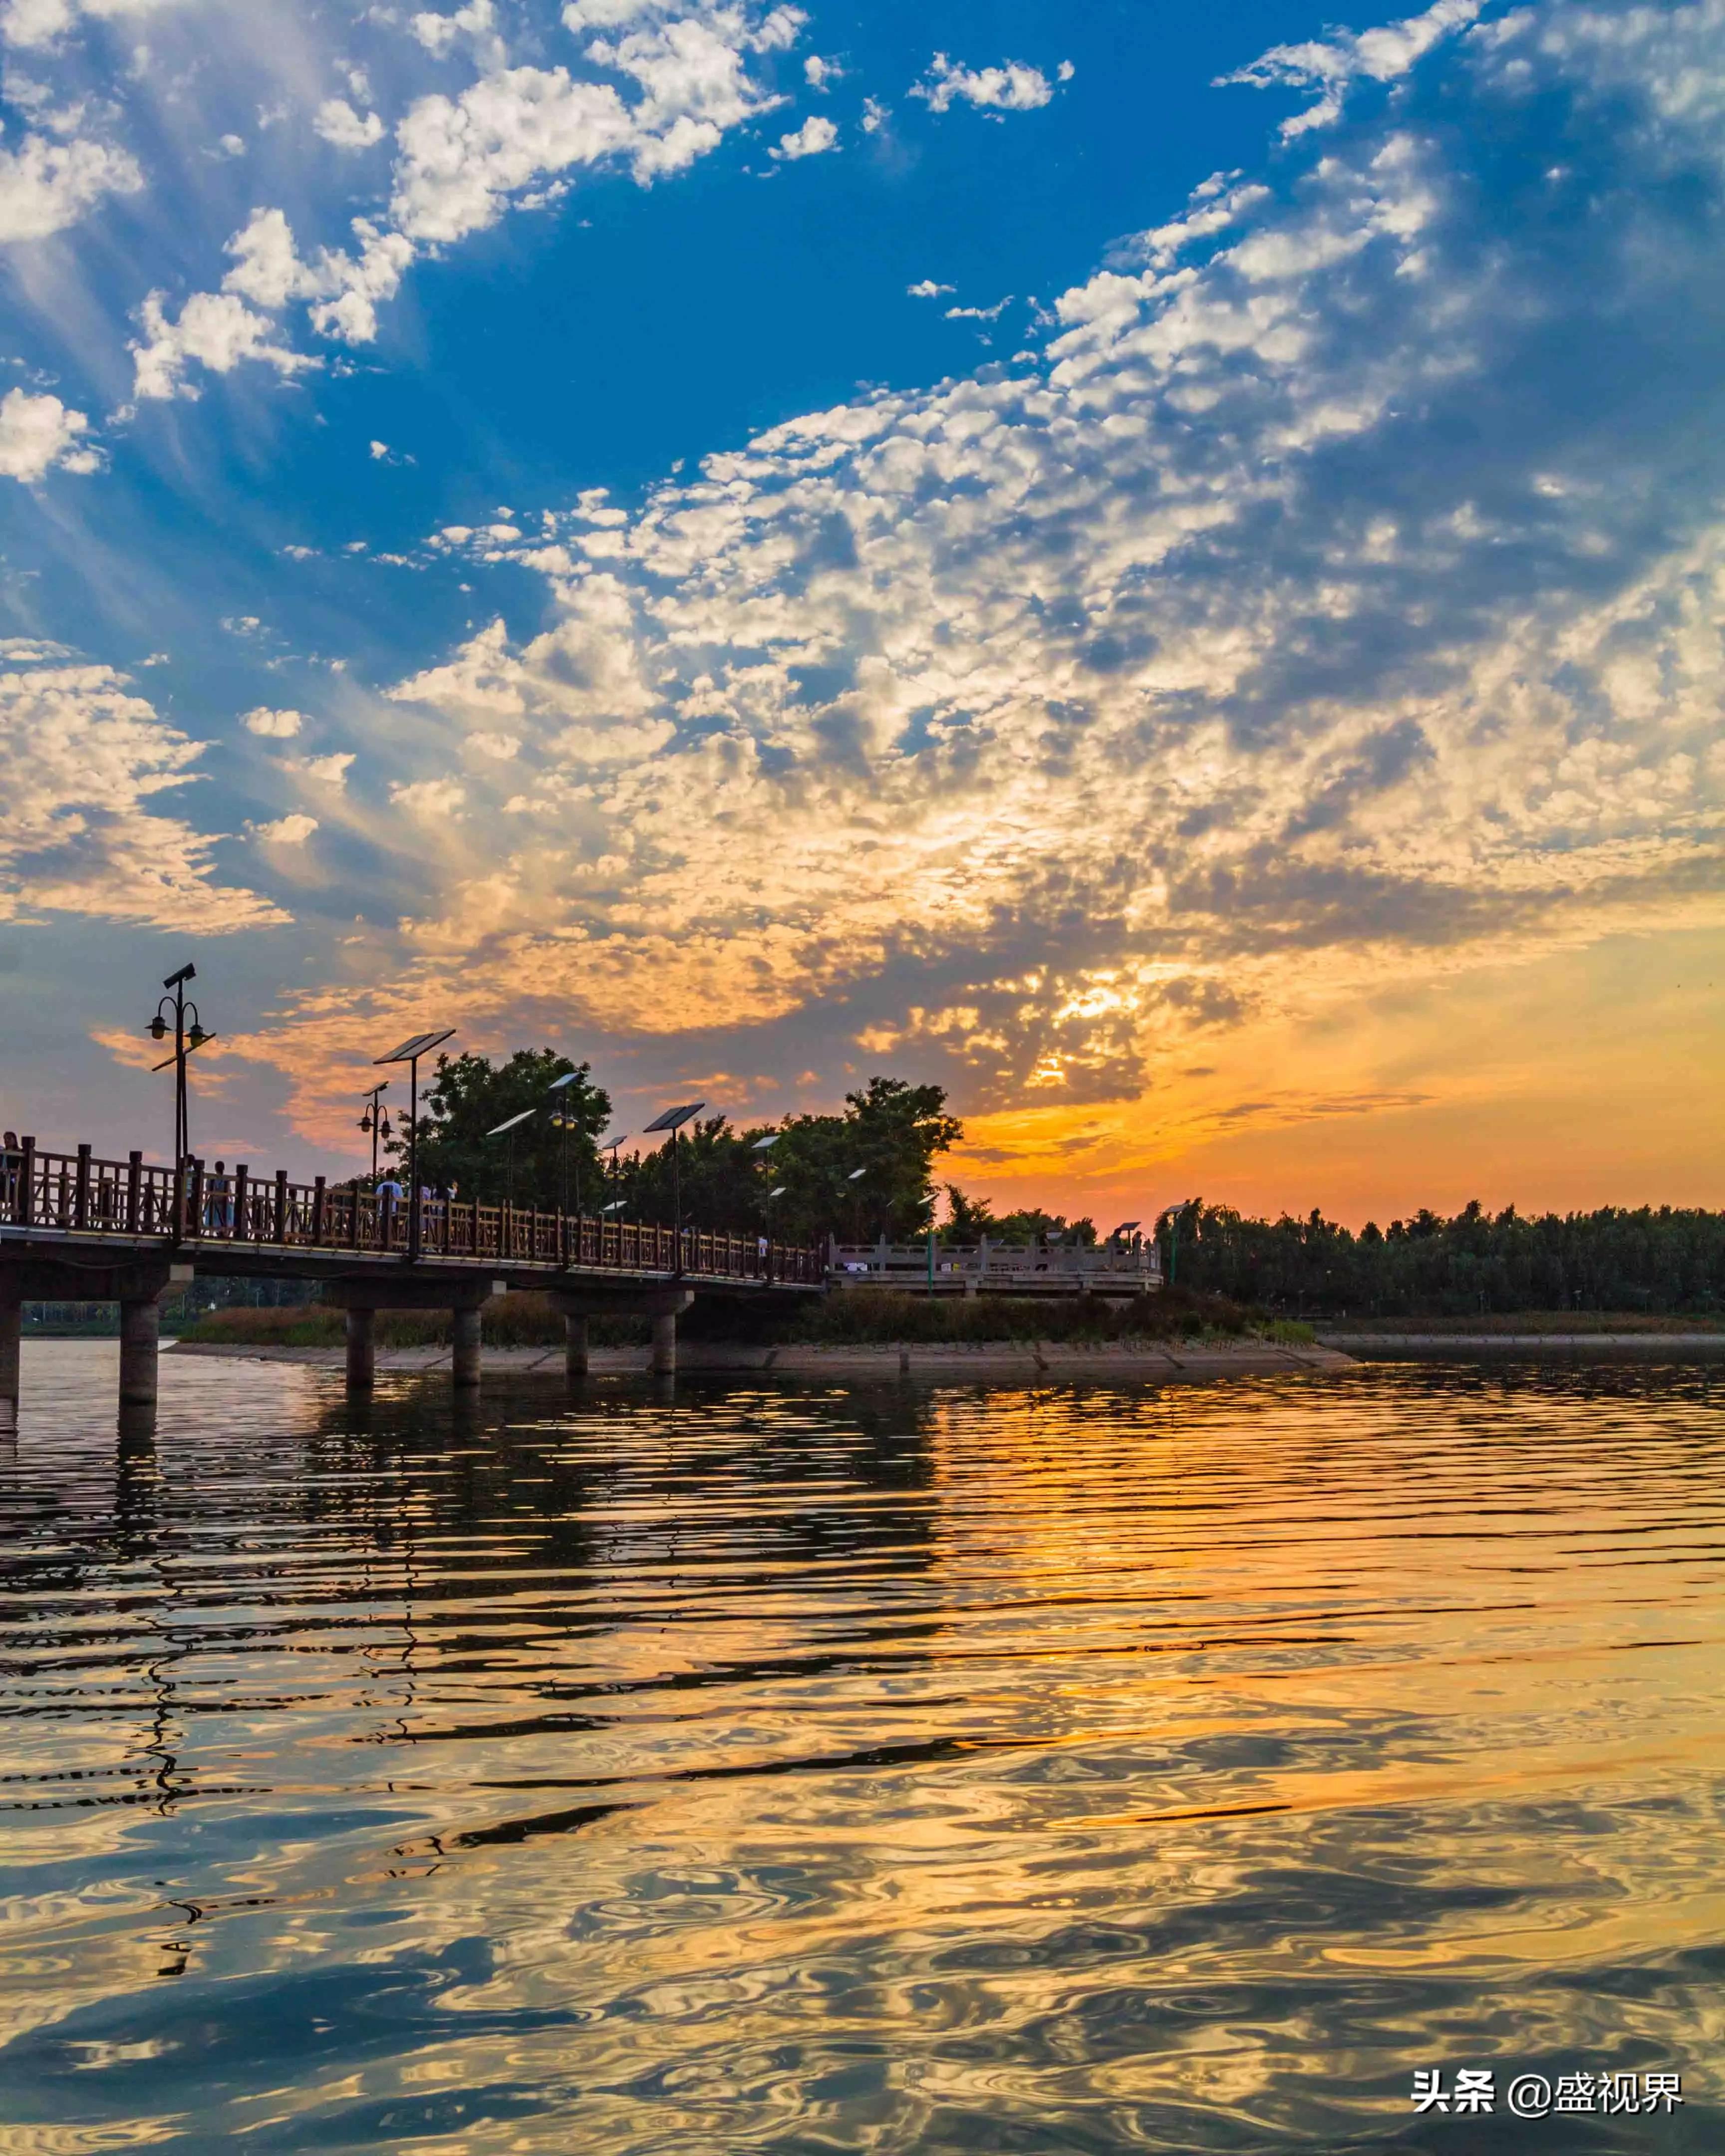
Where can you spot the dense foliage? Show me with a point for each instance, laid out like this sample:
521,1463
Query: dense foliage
470,1095
968,1219
866,1173
1662,1260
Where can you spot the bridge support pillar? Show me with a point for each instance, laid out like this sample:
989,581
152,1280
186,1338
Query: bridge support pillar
664,1305
362,1350
12,1319
464,1359
139,1346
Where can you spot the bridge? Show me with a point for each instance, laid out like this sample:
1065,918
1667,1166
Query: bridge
79,1229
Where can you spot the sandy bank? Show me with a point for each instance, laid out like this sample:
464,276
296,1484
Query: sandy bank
997,1359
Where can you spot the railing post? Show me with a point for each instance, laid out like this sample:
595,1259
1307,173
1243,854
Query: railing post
80,1190
24,1207
238,1224
353,1225
134,1190
281,1205
191,1217
317,1206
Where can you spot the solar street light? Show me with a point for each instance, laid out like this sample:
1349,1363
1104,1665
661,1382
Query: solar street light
673,1120
411,1049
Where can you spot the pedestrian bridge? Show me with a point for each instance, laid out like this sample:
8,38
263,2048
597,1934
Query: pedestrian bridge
73,1227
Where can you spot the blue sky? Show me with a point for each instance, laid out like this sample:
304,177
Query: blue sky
501,463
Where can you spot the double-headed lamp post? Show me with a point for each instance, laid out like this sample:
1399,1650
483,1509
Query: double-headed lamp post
188,1039
376,1119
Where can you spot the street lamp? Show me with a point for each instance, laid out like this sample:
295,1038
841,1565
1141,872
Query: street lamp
409,1052
510,1127
1171,1213
376,1119
673,1120
564,1121
186,1041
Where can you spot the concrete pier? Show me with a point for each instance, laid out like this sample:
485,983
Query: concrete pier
465,1334
576,1351
139,1346
664,1343
362,1296
12,1318
362,1327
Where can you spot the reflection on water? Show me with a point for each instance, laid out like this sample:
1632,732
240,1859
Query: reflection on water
857,1769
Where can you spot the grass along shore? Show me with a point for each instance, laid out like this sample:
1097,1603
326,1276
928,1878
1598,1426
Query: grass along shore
854,1318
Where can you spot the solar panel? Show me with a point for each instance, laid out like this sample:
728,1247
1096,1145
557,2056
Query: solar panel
674,1119
416,1046
767,1144
558,1085
510,1124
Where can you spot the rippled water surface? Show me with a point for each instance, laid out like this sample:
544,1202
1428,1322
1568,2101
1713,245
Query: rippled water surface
857,1769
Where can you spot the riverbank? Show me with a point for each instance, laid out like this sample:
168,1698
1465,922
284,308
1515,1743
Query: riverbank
1030,1360
1644,1344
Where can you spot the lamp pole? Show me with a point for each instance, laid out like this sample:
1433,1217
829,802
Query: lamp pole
376,1119
188,1038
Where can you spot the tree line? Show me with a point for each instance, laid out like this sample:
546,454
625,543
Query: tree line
859,1174
1660,1260
868,1171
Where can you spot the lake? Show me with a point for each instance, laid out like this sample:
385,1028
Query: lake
862,1769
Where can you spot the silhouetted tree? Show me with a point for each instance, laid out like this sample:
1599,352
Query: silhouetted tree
470,1095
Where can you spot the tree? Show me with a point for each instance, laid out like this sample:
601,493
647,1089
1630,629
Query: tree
968,1219
470,1095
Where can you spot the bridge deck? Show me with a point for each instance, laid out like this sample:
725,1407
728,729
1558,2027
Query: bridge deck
240,1222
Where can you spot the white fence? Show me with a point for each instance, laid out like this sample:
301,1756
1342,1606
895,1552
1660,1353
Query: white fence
1120,1268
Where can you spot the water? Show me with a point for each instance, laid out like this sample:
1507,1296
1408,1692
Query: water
851,1769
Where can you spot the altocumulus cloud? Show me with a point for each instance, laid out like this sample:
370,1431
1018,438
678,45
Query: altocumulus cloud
1340,591
81,760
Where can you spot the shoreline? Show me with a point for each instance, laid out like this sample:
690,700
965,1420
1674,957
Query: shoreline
1437,1347
696,1358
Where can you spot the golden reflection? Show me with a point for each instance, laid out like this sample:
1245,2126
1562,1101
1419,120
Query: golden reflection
626,1770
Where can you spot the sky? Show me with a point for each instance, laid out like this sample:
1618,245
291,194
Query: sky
1163,569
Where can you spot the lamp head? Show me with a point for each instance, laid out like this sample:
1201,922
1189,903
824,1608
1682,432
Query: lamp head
158,1027
197,1037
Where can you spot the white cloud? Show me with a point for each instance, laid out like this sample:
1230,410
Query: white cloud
429,797
979,314
338,122
325,770
272,726
1329,65
37,435
215,329
1012,87
440,33
35,23
820,74
293,830
81,760
928,290
875,115
816,134
379,450
44,185
1284,631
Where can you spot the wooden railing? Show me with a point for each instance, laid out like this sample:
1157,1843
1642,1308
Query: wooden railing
1116,1267
77,1194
